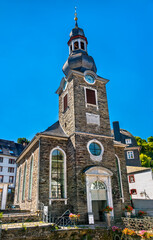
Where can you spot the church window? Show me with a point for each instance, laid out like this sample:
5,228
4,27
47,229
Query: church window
19,181
65,103
133,192
82,45
95,149
24,182
30,179
98,185
76,45
91,98
57,175
130,154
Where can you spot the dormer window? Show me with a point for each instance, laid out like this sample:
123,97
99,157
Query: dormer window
76,45
11,152
128,141
1,150
82,45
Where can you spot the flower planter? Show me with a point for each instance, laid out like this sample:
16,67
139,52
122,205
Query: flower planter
127,214
108,218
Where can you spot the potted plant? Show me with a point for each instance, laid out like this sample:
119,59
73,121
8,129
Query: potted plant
74,218
141,214
128,209
108,211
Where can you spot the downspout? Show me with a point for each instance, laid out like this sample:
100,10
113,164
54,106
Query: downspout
38,177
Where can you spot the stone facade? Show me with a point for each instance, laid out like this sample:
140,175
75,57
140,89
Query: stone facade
83,171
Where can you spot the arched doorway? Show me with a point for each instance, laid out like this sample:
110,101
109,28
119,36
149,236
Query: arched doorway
99,191
99,200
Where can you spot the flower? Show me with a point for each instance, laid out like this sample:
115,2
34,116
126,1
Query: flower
127,231
108,209
141,213
145,235
71,215
128,208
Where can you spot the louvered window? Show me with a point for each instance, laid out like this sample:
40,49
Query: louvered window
91,98
65,103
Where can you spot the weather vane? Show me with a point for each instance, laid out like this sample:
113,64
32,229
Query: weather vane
75,18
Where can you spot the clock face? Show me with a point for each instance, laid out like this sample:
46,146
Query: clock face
65,85
89,79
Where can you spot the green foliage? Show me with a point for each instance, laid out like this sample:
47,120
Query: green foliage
1,215
146,153
22,140
145,160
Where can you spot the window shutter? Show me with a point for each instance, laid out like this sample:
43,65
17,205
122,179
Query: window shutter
65,102
91,98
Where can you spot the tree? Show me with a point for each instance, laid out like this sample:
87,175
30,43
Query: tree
23,141
145,160
146,153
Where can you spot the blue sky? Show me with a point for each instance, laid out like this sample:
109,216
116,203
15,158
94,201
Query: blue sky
33,49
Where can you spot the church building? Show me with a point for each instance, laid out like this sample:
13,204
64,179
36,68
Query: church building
75,164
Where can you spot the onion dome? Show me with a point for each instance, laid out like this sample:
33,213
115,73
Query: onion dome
78,57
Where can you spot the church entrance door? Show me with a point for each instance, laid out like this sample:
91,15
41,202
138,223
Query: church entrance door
99,200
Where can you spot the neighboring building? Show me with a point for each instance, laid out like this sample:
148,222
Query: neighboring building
9,151
140,186
75,164
132,150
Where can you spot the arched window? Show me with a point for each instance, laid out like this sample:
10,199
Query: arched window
76,45
82,45
30,179
57,174
119,177
19,181
24,182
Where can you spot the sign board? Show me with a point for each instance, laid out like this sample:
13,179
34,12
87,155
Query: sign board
91,218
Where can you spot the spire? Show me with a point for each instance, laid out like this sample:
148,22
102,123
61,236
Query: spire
75,18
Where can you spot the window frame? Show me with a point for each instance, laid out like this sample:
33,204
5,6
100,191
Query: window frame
131,191
30,178
11,177
129,155
96,98
24,181
128,139
1,178
65,109
93,157
1,168
1,159
65,177
130,178
11,161
11,168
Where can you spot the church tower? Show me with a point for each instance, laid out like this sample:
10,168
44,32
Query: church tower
82,93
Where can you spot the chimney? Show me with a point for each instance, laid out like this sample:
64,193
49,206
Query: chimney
116,129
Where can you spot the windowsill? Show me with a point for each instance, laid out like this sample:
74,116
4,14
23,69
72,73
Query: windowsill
58,199
93,105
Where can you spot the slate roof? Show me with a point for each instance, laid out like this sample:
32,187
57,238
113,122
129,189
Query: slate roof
136,169
124,135
55,130
10,148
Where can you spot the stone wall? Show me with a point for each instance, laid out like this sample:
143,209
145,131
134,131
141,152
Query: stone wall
27,204
44,233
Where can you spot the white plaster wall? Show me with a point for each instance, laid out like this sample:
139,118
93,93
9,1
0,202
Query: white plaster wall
143,182
5,164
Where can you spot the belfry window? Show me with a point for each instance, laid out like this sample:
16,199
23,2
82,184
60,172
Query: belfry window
76,45
90,95
71,47
57,175
82,45
65,103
